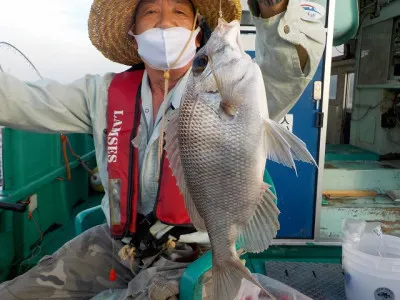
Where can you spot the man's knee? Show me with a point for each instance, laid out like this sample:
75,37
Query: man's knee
5,293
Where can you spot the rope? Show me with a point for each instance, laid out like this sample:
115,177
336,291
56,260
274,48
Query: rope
30,216
64,150
65,142
84,165
128,252
170,244
161,139
167,77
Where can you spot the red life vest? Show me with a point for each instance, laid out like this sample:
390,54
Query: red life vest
123,119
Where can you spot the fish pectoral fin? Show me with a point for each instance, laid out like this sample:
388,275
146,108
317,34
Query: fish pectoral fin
228,108
284,147
174,157
263,225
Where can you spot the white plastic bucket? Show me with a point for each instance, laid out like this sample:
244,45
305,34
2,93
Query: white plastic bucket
372,268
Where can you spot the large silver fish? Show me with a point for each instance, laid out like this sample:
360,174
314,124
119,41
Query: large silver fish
217,145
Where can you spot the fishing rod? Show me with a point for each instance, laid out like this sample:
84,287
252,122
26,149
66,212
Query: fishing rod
23,55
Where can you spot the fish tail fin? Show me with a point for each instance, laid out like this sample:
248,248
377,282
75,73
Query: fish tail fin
227,279
284,147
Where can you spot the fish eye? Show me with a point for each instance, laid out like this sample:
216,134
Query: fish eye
200,63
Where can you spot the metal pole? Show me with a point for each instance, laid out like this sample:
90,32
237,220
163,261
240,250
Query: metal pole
325,106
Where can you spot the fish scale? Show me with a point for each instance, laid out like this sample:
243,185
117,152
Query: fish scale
223,177
217,143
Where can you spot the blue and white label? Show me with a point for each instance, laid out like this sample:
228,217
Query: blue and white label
314,11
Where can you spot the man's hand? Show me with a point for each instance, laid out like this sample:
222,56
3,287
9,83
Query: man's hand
269,8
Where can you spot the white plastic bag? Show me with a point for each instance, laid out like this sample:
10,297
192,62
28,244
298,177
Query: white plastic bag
353,231
281,291
249,291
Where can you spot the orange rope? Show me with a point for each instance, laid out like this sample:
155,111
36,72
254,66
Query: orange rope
30,216
64,150
65,143
72,150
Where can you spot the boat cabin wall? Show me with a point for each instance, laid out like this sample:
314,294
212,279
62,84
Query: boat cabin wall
375,121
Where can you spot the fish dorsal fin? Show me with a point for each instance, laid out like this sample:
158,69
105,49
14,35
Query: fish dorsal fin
174,157
284,147
263,225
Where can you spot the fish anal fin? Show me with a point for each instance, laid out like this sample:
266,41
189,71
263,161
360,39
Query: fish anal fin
262,227
173,155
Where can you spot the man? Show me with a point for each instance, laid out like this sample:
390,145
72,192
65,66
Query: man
121,109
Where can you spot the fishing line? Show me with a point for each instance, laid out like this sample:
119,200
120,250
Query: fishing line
214,75
8,45
166,85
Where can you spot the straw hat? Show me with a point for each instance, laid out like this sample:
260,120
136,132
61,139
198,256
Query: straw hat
110,21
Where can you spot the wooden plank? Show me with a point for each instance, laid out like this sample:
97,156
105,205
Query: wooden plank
348,193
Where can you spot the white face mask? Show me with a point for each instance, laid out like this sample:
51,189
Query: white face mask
160,48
